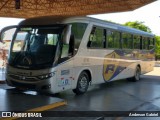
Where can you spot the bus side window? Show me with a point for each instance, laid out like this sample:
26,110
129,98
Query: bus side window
77,33
71,45
144,43
113,39
64,53
96,38
151,43
68,49
136,42
127,41
110,39
78,30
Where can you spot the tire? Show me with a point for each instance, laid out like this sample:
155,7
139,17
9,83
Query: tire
82,84
136,76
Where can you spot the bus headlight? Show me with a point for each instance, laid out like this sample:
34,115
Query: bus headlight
46,76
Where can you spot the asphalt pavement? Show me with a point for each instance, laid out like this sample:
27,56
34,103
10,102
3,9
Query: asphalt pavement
119,96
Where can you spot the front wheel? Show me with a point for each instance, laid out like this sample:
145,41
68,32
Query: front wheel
82,84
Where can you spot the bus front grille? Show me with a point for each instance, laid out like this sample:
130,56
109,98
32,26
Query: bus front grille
24,78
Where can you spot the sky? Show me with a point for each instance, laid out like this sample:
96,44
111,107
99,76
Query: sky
149,14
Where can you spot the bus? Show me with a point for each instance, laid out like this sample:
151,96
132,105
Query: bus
54,53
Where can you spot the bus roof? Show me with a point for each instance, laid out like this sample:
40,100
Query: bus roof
50,20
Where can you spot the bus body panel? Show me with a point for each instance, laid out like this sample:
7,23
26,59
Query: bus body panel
104,65
65,76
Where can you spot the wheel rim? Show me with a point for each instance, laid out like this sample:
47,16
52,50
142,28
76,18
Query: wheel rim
83,83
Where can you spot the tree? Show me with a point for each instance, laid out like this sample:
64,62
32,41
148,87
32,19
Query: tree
138,25
157,47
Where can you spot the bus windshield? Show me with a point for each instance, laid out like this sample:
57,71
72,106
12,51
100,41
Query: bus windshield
35,47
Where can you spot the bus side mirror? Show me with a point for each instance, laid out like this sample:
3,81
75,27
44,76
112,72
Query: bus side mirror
2,32
67,34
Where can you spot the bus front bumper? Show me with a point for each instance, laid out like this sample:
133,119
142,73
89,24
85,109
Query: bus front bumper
38,85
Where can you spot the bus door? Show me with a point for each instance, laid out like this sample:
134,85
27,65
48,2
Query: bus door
65,76
65,68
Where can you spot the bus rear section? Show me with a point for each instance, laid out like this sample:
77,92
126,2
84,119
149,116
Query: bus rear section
120,52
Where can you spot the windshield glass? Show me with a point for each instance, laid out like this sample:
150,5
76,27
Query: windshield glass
35,47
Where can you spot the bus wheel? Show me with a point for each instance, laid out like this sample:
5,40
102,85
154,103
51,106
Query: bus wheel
137,74
82,84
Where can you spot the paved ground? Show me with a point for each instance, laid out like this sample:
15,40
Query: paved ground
117,96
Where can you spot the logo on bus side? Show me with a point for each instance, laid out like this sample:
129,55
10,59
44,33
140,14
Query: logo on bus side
27,61
109,69
112,67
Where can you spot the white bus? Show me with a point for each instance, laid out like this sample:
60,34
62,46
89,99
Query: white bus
53,54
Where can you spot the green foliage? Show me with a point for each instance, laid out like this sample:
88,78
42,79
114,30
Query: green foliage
138,25
158,47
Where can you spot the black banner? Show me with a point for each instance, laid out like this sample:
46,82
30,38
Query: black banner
81,114
101,114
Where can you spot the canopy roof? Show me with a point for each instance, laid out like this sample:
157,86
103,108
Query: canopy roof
33,8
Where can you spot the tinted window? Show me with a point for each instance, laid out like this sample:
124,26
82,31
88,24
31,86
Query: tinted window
136,42
127,41
144,43
151,43
113,39
96,38
78,30
65,52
